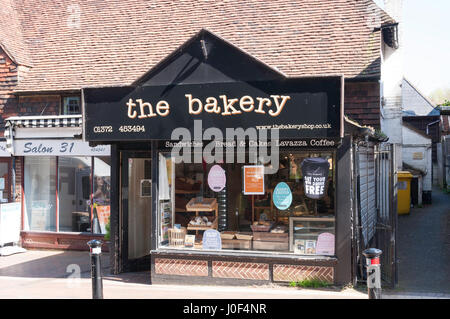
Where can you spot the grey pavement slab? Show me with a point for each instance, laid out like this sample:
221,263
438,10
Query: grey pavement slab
58,288
424,273
424,248
50,274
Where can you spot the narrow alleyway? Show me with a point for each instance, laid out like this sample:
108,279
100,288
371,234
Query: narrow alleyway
424,247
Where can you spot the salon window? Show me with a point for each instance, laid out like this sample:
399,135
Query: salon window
40,193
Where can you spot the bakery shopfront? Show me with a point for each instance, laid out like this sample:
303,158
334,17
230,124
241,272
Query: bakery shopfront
225,171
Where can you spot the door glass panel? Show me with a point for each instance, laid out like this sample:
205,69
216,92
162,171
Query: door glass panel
102,192
74,194
139,207
40,190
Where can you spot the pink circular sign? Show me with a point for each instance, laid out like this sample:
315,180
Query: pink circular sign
216,178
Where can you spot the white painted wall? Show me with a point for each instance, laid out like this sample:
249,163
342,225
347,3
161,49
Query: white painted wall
391,80
415,144
414,101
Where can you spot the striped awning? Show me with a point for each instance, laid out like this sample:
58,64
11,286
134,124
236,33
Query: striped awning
56,121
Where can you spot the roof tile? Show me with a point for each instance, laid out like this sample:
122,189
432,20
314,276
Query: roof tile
114,42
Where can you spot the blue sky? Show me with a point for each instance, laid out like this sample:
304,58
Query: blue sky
426,43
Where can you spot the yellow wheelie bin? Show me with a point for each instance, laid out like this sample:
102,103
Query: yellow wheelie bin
404,192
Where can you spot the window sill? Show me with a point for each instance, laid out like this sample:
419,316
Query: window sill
266,256
46,232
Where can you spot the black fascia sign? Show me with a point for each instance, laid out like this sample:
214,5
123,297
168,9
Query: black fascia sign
298,107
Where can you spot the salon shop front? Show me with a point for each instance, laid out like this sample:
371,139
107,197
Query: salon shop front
64,183
231,174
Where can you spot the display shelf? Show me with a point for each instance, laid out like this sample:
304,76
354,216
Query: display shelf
321,228
207,205
256,207
309,228
213,226
182,191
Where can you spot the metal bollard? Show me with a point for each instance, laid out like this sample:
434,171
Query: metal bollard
96,269
373,272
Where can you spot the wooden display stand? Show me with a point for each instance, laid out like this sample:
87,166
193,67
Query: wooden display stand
270,241
206,205
236,240
256,209
176,237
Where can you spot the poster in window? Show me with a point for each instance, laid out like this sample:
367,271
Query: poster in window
315,174
299,246
211,240
325,244
216,178
103,214
189,241
310,247
282,196
253,180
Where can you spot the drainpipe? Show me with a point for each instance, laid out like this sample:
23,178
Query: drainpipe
432,123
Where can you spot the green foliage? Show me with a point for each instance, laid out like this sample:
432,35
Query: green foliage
309,283
108,227
446,103
380,134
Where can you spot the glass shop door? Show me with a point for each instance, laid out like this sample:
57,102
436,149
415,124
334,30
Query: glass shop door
136,210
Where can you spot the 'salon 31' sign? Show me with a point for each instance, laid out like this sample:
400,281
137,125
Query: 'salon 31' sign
58,148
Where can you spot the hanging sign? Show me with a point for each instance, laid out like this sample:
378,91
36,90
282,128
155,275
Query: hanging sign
211,240
216,178
253,180
315,174
282,196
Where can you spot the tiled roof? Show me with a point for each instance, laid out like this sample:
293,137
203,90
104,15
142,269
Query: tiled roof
11,38
76,44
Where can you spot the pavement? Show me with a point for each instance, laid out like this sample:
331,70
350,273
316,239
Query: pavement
423,246
423,250
49,274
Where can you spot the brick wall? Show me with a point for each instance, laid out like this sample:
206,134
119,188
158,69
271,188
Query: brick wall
33,105
19,178
11,105
362,102
8,80
38,105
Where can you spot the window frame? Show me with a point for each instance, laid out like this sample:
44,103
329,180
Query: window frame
57,210
62,105
260,253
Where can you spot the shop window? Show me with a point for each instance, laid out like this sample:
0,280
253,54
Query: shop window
71,105
4,180
102,192
83,194
74,190
40,193
294,213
